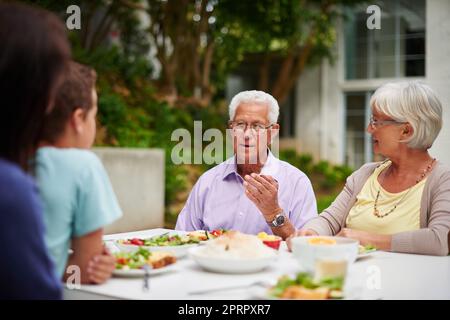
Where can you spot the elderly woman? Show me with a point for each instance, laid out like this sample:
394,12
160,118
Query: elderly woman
403,203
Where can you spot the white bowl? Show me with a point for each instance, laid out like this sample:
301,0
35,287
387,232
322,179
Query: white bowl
307,254
231,265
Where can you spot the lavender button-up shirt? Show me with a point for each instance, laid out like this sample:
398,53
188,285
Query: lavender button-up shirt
218,199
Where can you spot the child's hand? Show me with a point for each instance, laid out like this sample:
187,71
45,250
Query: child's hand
101,267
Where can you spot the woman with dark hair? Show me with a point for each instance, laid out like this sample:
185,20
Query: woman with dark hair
33,57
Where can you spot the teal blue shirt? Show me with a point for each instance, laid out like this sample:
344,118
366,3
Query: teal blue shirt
77,195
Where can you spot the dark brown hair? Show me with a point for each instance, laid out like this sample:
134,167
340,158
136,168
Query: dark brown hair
75,92
33,56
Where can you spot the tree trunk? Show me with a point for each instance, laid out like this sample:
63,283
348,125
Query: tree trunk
264,72
207,62
283,75
295,73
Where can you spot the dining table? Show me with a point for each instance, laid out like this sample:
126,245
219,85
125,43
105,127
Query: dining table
378,275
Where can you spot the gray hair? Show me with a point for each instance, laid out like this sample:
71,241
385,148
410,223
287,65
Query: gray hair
255,96
413,102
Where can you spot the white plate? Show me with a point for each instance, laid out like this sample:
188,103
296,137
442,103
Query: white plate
365,254
262,293
179,251
133,273
222,265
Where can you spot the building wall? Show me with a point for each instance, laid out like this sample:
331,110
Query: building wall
308,122
320,116
438,68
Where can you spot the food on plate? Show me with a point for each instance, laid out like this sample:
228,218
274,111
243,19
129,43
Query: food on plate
162,241
237,245
321,241
201,235
271,241
204,235
303,286
366,249
218,232
137,260
265,236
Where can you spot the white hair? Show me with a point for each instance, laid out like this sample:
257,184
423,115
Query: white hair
259,97
413,102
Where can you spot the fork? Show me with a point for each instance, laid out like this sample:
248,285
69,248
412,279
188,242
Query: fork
147,269
159,235
257,283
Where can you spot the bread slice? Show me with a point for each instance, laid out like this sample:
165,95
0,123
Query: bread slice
160,259
302,293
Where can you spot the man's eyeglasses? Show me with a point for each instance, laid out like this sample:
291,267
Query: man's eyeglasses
241,126
378,123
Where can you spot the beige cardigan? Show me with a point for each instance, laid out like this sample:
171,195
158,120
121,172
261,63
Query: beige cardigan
433,237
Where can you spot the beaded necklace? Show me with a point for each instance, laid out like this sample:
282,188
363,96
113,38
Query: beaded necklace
377,212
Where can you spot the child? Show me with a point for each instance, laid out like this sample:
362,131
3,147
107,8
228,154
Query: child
78,198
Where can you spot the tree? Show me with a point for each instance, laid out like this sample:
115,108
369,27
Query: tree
100,19
293,34
198,40
182,33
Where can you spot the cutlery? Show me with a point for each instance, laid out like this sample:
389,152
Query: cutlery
257,283
159,235
147,269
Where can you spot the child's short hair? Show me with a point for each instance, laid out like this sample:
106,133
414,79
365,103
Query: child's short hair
74,92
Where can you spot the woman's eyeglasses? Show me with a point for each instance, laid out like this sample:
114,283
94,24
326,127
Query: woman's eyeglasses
378,123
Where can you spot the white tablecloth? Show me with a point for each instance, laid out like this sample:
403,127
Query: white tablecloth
381,275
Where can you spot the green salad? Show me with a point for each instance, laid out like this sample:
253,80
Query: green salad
132,260
163,241
366,249
142,257
303,286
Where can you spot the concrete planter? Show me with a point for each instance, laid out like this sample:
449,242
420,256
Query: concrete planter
137,176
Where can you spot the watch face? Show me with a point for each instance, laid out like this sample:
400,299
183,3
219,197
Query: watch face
279,220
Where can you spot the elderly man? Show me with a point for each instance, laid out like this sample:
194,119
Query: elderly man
253,191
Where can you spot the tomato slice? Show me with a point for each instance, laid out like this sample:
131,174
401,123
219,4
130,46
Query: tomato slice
217,232
137,242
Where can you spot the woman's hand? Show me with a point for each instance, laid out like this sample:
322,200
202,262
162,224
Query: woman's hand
300,233
101,267
362,236
380,241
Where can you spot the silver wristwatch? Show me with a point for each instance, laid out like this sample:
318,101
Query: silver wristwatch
278,221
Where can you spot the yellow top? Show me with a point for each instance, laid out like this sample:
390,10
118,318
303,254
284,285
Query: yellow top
406,217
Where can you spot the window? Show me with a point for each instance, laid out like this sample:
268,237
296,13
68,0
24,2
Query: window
396,50
358,143
356,137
